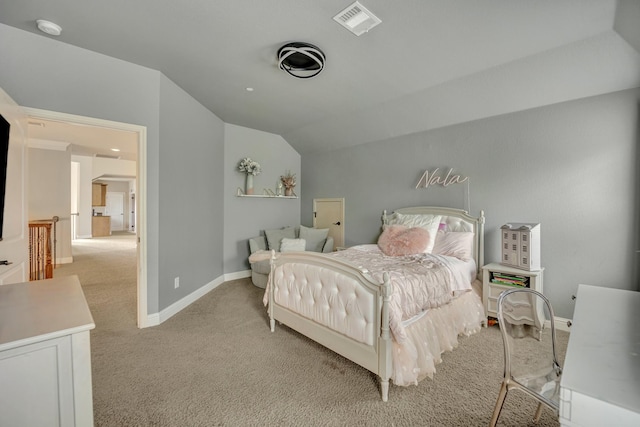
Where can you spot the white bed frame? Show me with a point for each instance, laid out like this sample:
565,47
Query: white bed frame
304,275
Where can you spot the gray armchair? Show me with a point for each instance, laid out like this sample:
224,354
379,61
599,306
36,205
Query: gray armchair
260,269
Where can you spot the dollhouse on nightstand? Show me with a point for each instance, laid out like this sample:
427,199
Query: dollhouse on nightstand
521,246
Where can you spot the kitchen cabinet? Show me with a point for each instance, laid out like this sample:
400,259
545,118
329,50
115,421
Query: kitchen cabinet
99,194
100,226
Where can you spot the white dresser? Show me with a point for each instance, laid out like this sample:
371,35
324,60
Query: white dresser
600,383
45,356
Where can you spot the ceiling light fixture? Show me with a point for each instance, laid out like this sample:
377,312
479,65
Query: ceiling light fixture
49,27
301,60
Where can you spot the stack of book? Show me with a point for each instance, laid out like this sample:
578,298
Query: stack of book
510,279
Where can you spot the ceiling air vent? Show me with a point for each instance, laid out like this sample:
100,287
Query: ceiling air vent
357,19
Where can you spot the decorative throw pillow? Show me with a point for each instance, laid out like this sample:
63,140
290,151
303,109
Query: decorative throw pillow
274,237
292,245
398,240
315,237
457,244
428,222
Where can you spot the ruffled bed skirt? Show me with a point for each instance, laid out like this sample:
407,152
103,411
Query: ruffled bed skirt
432,334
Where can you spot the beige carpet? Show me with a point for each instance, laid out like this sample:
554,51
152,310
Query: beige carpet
217,364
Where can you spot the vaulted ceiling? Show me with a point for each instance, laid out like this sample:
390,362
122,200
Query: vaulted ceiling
430,63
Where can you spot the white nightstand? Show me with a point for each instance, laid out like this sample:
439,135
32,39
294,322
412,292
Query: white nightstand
491,290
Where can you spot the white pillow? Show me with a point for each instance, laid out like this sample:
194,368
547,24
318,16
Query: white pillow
457,244
428,222
292,245
274,237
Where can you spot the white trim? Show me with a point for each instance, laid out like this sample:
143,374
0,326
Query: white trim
562,324
150,320
237,275
141,190
155,319
65,260
47,144
183,303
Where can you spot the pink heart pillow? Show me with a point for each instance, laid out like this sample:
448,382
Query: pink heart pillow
398,240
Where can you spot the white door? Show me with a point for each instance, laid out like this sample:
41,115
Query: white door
14,243
115,209
329,213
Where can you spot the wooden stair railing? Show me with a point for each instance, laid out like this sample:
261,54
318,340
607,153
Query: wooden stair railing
40,249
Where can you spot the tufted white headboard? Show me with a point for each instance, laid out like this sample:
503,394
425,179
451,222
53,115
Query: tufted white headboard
455,220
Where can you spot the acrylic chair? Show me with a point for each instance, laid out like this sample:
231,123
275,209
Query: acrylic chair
530,359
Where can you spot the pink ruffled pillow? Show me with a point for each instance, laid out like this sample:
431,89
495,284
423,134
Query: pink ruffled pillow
398,240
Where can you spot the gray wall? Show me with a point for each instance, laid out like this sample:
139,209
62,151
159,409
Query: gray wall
191,216
49,180
570,166
248,217
42,73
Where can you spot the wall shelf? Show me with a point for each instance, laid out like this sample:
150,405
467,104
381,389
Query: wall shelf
264,196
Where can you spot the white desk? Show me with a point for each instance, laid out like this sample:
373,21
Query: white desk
45,356
600,383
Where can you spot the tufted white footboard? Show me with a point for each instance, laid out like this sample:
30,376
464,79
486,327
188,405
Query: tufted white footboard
336,305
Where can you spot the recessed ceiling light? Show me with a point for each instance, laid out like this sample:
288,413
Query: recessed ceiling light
249,89
49,27
115,149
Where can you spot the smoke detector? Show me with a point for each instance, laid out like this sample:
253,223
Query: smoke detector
302,60
49,27
357,19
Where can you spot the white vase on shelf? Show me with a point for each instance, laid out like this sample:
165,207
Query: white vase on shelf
249,184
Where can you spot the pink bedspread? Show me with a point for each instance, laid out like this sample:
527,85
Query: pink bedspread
419,282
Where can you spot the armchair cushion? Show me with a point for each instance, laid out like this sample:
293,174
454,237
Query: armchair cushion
315,237
274,237
328,245
260,248
292,245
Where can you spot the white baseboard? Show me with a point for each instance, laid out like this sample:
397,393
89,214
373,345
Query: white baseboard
178,306
237,275
562,324
155,319
151,320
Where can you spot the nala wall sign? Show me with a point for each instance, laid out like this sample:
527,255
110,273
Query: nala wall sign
436,178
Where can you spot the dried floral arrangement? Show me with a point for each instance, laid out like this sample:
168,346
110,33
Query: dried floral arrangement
250,167
288,180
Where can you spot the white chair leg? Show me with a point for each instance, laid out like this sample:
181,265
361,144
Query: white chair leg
500,402
536,418
272,322
384,388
